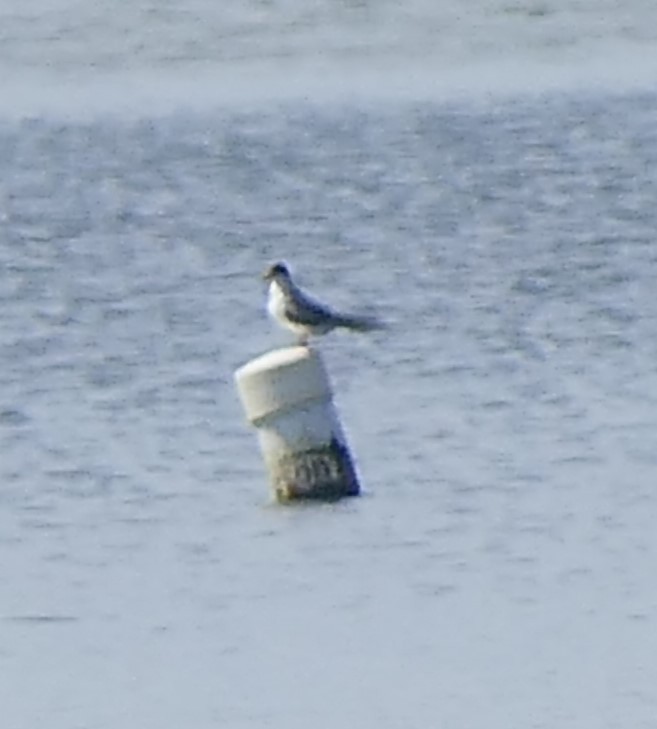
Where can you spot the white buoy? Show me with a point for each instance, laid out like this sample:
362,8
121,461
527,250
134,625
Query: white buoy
286,395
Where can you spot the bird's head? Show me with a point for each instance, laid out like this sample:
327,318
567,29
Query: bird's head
276,272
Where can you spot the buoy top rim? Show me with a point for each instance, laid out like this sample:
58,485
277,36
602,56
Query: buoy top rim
275,358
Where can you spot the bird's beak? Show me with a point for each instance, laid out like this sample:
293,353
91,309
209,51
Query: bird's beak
267,275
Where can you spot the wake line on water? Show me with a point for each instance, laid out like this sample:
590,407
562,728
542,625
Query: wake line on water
199,87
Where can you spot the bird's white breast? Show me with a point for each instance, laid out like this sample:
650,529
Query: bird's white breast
276,303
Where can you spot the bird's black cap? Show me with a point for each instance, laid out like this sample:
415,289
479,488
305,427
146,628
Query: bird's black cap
276,269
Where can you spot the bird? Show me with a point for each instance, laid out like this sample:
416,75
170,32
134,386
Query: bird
292,308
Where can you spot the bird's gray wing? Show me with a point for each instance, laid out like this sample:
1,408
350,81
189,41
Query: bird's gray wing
358,323
301,309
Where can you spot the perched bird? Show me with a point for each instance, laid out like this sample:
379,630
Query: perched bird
294,309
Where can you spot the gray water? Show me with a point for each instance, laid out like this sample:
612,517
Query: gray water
486,182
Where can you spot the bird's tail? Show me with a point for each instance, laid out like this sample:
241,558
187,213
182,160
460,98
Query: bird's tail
360,323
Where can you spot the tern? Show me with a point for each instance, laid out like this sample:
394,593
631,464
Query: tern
297,311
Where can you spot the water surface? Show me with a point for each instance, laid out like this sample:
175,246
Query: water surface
497,571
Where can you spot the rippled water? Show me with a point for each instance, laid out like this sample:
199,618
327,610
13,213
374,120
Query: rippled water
497,571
